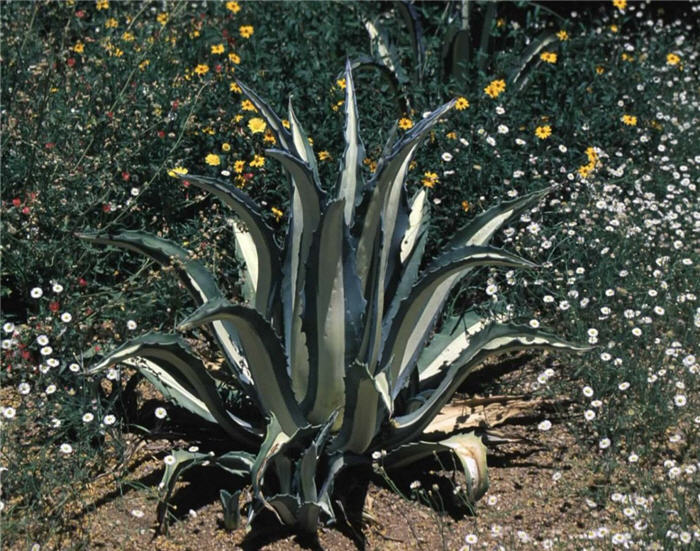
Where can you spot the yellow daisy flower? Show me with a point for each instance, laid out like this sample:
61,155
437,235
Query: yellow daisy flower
212,159
177,171
258,161
430,179
405,124
461,104
247,105
543,132
673,59
257,125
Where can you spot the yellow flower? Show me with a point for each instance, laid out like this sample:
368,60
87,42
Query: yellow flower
217,49
111,23
145,63
673,59
238,118
233,6
451,135
269,137
79,47
234,58
599,69
585,170
226,147
285,123
620,4
212,159
592,155
563,35
341,83
258,161
177,171
247,105
117,52
495,88
238,166
233,87
613,28
277,213
201,69
543,132
162,18
461,104
626,57
429,179
323,155
500,22
549,57
372,165
257,125
629,120
246,31
102,4
405,124
465,206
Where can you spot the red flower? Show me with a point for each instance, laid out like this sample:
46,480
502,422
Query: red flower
70,61
25,354
82,282
175,104
54,306
185,183
161,133
125,176
16,202
107,207
25,210
248,175
80,14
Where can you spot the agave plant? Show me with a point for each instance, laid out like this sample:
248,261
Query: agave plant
337,351
467,45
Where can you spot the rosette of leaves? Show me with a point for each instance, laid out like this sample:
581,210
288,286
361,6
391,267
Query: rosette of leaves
337,350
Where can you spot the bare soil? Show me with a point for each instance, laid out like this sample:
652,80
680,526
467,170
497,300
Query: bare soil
537,492
523,497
